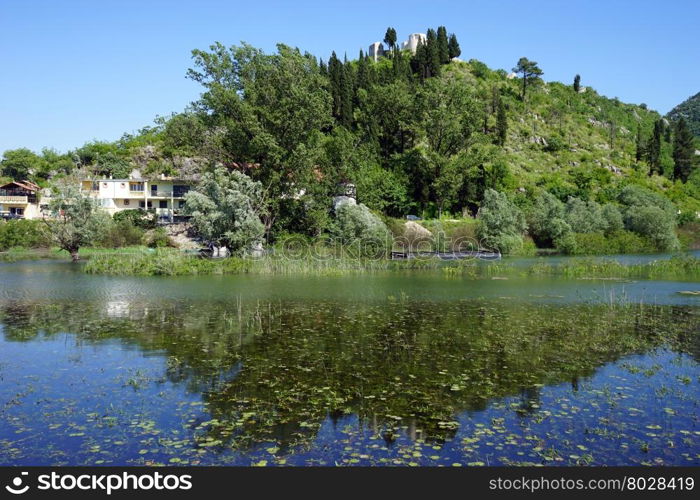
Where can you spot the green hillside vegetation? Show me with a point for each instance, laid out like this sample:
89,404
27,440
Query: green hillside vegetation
549,163
690,110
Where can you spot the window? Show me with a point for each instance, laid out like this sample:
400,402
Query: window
181,204
154,188
163,204
126,203
95,186
136,186
142,204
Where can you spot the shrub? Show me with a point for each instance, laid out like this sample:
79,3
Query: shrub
653,223
138,218
23,233
584,216
120,233
501,224
157,238
356,224
612,218
547,223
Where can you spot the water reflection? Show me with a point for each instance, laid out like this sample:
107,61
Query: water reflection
183,381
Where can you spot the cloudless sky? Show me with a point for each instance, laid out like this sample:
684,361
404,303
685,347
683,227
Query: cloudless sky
73,71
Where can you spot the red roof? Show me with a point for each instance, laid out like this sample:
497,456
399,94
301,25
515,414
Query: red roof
28,185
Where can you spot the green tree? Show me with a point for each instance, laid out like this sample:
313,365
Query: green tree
433,53
530,73
357,225
500,223
21,164
270,111
547,221
577,83
683,151
453,46
390,37
639,145
75,220
443,45
501,123
225,210
653,149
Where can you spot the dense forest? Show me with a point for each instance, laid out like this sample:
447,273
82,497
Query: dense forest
426,134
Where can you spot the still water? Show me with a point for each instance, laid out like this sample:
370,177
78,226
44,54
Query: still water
403,368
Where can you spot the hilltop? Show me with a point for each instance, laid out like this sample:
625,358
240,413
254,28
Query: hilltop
690,110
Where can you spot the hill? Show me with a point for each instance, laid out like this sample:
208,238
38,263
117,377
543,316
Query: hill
414,133
690,110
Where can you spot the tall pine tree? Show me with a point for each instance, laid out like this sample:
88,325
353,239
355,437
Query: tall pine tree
453,46
501,123
654,148
639,146
683,151
390,37
443,45
433,52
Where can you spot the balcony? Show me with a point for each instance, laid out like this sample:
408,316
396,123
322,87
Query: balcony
17,199
168,194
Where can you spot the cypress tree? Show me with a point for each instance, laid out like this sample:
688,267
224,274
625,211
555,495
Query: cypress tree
501,123
639,152
347,94
335,75
433,52
683,151
577,83
390,37
443,45
453,46
654,148
420,61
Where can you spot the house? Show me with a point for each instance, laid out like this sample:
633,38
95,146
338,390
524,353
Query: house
163,196
20,200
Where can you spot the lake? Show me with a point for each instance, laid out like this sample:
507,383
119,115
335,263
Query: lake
388,368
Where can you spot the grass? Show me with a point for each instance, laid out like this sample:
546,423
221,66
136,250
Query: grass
20,253
676,268
169,262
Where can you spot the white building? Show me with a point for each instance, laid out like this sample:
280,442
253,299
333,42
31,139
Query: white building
412,42
376,50
164,196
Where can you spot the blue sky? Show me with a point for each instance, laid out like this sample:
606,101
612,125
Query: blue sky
73,71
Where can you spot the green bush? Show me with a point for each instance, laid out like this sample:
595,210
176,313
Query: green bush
157,238
655,224
547,220
138,218
357,225
121,233
501,224
23,233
